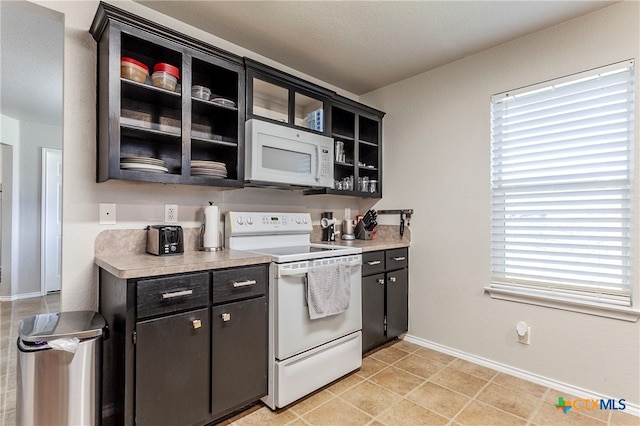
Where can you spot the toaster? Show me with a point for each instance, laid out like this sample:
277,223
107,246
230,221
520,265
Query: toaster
165,240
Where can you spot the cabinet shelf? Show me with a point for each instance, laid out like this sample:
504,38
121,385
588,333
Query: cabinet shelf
214,139
134,85
368,143
349,165
342,137
143,132
214,104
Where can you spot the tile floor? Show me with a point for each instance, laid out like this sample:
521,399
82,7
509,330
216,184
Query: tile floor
399,384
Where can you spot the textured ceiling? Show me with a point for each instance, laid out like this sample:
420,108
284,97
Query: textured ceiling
31,42
360,46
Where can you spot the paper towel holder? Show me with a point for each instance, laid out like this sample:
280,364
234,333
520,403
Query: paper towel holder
202,233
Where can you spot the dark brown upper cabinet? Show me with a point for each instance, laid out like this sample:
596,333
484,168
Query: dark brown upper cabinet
192,133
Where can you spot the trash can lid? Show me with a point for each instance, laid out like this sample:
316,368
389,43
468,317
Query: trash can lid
45,327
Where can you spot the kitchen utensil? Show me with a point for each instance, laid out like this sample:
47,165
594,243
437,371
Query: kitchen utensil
361,233
369,220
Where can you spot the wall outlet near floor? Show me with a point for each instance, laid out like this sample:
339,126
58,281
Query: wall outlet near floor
170,213
523,333
107,214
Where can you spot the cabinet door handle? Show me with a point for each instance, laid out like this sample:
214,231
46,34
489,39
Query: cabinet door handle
392,279
380,281
373,262
196,324
226,317
244,283
399,258
177,294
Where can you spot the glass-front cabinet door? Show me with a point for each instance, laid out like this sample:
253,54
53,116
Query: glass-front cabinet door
281,98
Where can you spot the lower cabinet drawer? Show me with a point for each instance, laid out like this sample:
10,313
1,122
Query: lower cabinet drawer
372,262
166,295
397,259
239,283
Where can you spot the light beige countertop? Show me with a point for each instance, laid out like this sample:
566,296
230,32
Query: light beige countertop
368,245
139,265
122,252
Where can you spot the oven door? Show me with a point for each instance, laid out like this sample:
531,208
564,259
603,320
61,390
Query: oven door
294,332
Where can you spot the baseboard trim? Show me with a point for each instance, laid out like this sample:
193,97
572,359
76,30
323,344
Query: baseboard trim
631,408
19,297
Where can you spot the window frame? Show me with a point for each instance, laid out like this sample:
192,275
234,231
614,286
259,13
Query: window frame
500,289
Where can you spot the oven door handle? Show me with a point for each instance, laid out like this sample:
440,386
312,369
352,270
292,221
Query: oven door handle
306,289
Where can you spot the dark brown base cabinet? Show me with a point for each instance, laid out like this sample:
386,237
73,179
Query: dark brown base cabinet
385,291
184,349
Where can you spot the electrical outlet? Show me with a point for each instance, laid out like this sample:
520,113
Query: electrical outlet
107,214
171,213
523,333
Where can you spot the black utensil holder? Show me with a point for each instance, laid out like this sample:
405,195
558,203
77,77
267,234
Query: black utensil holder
361,233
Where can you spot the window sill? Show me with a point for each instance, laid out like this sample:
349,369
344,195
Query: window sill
615,312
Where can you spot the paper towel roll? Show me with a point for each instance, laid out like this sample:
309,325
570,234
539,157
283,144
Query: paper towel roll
211,237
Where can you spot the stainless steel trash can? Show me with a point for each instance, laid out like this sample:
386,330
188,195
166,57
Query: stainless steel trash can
59,369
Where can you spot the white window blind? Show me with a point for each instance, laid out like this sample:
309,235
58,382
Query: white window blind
561,187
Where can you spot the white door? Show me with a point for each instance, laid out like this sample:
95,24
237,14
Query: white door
51,219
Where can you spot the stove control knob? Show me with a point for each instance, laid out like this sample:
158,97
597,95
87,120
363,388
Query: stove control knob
304,219
240,220
298,220
250,220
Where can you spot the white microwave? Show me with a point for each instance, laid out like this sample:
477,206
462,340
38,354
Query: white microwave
280,155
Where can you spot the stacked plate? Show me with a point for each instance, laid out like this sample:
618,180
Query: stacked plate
147,164
209,168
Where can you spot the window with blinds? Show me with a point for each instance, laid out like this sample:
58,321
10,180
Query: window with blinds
561,183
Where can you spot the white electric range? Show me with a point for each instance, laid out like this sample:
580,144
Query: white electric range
304,354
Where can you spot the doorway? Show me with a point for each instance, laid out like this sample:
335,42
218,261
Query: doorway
51,257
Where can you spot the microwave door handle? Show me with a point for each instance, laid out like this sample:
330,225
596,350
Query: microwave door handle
319,163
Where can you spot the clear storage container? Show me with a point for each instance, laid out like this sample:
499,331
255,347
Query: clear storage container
133,70
165,76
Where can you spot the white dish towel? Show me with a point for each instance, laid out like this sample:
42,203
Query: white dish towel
328,290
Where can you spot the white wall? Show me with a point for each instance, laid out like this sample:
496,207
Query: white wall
437,154
21,203
9,137
33,137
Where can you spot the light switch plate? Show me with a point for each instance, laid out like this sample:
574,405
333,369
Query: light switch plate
107,214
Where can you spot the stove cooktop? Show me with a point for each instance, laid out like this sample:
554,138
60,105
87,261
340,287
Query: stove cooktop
308,252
